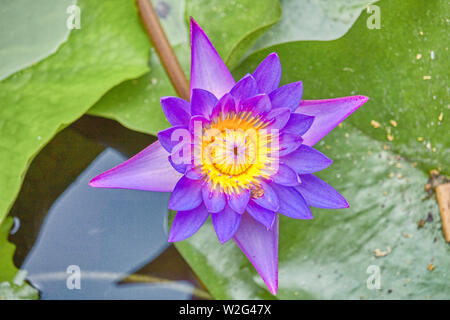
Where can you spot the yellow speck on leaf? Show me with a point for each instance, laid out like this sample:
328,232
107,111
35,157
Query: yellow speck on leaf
375,124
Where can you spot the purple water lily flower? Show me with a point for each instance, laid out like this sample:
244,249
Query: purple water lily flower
240,152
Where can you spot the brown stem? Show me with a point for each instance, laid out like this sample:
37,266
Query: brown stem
163,48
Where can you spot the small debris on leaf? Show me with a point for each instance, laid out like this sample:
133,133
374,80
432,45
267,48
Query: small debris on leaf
380,253
375,124
420,224
407,235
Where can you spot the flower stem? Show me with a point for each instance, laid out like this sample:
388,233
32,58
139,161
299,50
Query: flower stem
163,48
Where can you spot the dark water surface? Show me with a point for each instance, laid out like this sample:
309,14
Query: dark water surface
117,238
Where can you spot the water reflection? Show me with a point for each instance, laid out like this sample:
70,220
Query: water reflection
108,233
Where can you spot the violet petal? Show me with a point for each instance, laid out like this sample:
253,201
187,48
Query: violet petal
278,117
226,223
149,170
328,114
202,103
261,248
208,71
244,89
186,223
186,195
298,123
269,200
268,73
286,176
287,96
238,201
320,194
214,200
225,106
292,203
176,110
306,160
288,143
259,104
168,140
266,217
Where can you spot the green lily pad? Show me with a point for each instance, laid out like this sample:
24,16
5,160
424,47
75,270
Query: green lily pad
30,31
401,67
328,257
335,255
235,27
313,20
37,102
12,285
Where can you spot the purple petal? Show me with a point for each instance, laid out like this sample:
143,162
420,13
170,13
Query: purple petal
169,138
214,200
208,71
269,200
176,110
226,223
186,195
193,173
186,223
202,102
225,106
261,248
244,89
177,159
260,214
268,73
292,203
287,96
328,114
288,143
298,123
238,201
201,120
149,170
258,104
320,194
306,160
180,167
286,176
278,117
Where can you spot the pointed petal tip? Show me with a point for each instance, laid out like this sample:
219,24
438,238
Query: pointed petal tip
193,24
93,183
273,289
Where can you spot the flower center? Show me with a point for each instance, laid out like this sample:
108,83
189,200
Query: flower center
237,152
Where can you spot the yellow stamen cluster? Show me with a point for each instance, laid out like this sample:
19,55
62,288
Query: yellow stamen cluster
236,152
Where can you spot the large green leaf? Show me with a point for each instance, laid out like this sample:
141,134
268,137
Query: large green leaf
402,67
12,285
110,47
30,31
313,20
328,257
234,28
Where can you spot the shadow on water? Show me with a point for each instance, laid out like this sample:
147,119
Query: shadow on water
117,238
